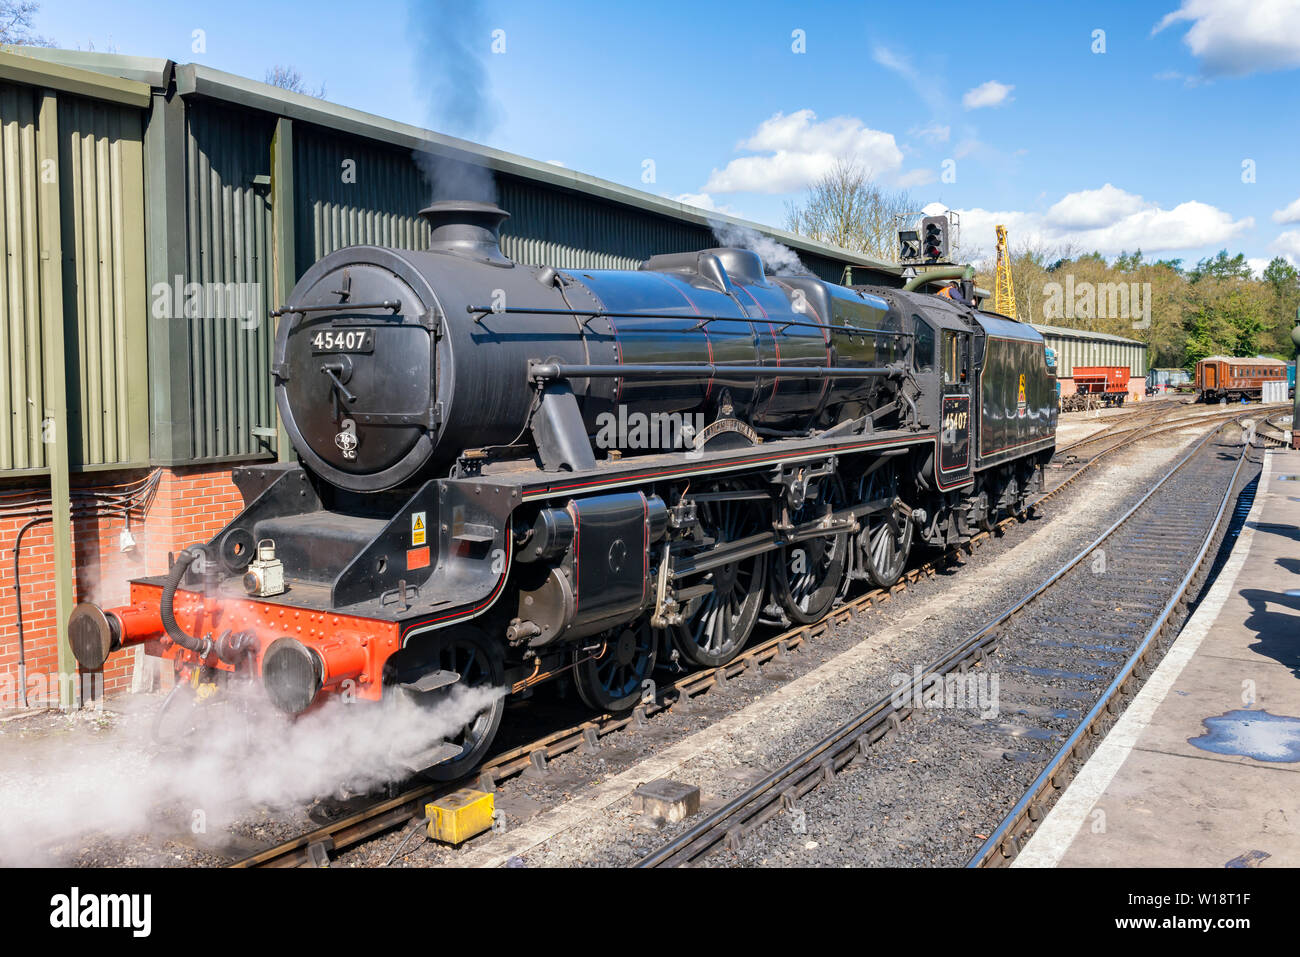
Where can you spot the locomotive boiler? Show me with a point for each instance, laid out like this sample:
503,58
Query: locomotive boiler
512,474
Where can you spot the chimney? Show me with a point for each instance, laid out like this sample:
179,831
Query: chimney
467,229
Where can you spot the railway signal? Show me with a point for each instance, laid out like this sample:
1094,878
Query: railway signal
934,238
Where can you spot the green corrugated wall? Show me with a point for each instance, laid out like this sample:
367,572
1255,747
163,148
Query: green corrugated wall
96,184
229,240
21,376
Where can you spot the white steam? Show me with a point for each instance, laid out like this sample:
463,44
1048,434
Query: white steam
56,788
778,259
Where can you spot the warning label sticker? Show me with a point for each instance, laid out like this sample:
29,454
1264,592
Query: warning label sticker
418,533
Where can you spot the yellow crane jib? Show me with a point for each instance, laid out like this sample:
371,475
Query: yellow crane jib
1004,292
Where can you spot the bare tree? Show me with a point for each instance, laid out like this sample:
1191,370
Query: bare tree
16,24
847,208
289,78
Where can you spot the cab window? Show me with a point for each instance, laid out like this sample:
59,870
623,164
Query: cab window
923,352
951,358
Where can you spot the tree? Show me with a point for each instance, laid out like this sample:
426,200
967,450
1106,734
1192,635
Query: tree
1129,263
1222,267
16,24
1283,282
1282,276
288,78
847,208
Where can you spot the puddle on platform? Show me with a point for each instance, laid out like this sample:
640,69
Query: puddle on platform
1252,734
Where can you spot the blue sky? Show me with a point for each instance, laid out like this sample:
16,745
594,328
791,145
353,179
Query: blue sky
1002,111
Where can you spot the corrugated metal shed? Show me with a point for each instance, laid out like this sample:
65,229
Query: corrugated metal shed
22,396
248,185
101,195
1080,347
229,243
93,186
350,191
73,302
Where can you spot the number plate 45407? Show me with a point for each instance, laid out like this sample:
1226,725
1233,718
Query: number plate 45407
343,340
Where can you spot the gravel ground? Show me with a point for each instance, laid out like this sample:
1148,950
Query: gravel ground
772,715
580,814
932,793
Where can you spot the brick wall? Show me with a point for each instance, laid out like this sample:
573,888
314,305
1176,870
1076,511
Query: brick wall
191,505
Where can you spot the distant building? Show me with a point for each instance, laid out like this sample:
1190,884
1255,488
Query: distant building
1079,347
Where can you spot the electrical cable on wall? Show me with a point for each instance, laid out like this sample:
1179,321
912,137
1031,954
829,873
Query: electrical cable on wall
114,500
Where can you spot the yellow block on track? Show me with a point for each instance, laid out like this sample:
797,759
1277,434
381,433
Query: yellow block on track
458,816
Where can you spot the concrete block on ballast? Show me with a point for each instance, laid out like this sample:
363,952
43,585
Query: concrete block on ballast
671,801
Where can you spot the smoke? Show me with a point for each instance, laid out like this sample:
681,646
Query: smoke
452,42
453,179
62,788
778,259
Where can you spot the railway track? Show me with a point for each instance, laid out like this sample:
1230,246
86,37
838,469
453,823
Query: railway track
1065,459
1273,430
1169,530
1136,419
316,847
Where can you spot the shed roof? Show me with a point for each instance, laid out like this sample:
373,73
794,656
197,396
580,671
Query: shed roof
195,79
1064,333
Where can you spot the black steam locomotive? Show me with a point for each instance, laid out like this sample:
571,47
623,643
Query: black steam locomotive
512,473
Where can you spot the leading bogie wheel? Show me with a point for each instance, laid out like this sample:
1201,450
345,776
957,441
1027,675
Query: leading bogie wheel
467,713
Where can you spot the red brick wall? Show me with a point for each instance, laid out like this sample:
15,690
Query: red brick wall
191,505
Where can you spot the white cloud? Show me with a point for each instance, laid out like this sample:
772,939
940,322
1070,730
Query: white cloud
1236,37
703,201
991,93
799,148
1288,244
1108,220
1257,266
1288,214
934,133
1092,208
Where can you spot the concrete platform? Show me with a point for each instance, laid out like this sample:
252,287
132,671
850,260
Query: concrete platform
1203,769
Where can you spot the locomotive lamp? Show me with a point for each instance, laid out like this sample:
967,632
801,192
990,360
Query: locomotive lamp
265,574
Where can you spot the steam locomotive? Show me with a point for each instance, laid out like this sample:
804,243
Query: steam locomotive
509,474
